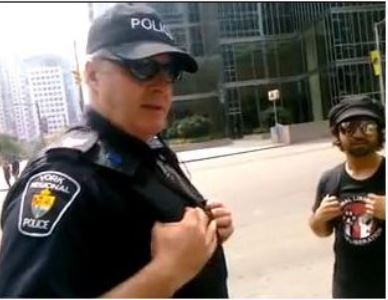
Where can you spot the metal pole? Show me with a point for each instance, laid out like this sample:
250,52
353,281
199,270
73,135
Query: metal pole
275,112
81,94
381,80
39,122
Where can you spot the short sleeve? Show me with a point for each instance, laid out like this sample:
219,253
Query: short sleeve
322,190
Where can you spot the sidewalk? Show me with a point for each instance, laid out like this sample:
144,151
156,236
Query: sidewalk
247,146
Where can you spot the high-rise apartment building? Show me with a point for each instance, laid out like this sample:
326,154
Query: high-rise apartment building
52,91
47,92
17,114
6,124
313,53
25,118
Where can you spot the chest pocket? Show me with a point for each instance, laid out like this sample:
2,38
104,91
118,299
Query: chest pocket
166,193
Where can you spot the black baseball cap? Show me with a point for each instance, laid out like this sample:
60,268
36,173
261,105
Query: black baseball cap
134,31
357,106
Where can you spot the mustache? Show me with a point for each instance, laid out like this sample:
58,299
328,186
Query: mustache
358,140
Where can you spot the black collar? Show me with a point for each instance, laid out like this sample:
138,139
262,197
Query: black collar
115,137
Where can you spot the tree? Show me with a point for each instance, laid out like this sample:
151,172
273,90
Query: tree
10,147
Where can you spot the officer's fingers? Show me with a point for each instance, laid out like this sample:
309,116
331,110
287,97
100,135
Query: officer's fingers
225,233
212,247
155,234
225,221
213,205
211,234
220,212
203,219
190,215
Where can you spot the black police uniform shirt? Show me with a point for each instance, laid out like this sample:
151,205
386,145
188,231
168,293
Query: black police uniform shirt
359,269
79,220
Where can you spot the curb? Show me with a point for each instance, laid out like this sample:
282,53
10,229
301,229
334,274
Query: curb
202,145
234,153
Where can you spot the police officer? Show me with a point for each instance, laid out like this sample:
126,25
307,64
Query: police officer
106,210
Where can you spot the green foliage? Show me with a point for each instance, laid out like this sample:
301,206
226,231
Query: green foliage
171,132
193,126
10,147
190,127
268,116
34,147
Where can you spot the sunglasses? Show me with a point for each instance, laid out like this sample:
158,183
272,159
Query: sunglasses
367,127
145,69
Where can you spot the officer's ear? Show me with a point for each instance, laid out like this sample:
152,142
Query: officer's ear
91,74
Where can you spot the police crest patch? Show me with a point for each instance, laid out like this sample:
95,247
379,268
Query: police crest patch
45,199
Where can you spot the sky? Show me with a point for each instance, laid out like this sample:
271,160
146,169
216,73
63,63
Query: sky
39,28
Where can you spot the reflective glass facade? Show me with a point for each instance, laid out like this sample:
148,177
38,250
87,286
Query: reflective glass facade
314,53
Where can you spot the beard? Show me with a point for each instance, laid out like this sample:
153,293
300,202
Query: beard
360,150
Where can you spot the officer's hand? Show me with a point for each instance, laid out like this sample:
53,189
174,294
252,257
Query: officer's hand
329,209
223,217
184,247
375,206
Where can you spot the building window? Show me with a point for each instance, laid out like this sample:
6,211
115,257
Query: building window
196,41
229,63
193,11
179,35
239,19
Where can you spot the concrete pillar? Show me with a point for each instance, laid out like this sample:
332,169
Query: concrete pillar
312,68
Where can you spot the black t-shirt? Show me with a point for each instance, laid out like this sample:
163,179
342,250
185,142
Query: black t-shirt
77,223
359,270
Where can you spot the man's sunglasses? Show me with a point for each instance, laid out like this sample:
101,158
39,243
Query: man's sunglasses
367,127
146,69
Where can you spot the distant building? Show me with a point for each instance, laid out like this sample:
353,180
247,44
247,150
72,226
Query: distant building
6,113
52,90
25,118
47,91
17,114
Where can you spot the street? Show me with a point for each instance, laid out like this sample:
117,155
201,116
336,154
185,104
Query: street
272,253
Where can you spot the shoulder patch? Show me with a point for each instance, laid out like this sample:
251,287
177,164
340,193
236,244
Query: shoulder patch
45,200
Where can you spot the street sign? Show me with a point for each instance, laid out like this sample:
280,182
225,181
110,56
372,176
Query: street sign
375,60
273,95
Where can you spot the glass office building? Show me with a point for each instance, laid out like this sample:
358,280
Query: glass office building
313,53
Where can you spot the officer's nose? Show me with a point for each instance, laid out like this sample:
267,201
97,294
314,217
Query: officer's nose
161,79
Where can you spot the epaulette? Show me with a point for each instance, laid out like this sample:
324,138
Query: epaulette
79,138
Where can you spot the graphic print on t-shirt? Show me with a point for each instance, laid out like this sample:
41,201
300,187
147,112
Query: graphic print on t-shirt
359,227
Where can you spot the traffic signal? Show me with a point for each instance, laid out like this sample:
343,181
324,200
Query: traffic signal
375,58
77,77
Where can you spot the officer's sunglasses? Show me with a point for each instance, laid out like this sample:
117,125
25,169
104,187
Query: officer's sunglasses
145,69
367,127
